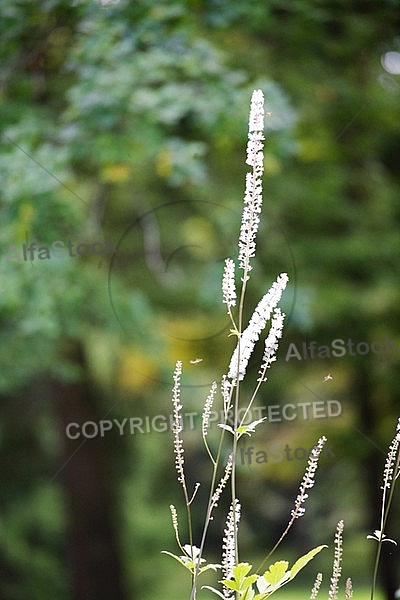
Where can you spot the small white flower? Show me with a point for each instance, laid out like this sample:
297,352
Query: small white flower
193,552
380,537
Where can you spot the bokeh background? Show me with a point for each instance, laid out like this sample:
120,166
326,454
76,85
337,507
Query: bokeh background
128,121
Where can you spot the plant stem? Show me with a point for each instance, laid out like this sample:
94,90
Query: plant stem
384,518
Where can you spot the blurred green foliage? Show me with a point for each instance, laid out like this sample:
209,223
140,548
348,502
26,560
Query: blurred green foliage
128,121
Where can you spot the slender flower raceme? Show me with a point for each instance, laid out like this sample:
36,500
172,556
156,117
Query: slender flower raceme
177,423
271,343
349,589
228,284
308,479
226,390
256,324
253,190
205,421
228,545
174,517
391,460
337,562
316,586
224,480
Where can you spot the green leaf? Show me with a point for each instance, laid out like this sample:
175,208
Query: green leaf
240,571
240,582
277,572
232,584
303,560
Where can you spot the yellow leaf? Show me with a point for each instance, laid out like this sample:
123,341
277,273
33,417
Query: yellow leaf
117,173
136,369
164,163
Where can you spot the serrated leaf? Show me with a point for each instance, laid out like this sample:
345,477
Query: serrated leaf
232,584
303,560
248,581
240,571
277,572
240,582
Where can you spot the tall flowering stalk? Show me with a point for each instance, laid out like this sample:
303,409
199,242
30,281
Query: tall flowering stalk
237,583
266,310
390,475
247,248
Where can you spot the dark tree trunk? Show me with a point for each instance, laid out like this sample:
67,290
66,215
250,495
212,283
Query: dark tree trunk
88,480
373,466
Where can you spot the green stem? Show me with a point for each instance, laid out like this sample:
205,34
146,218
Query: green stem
270,553
210,507
236,419
385,512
